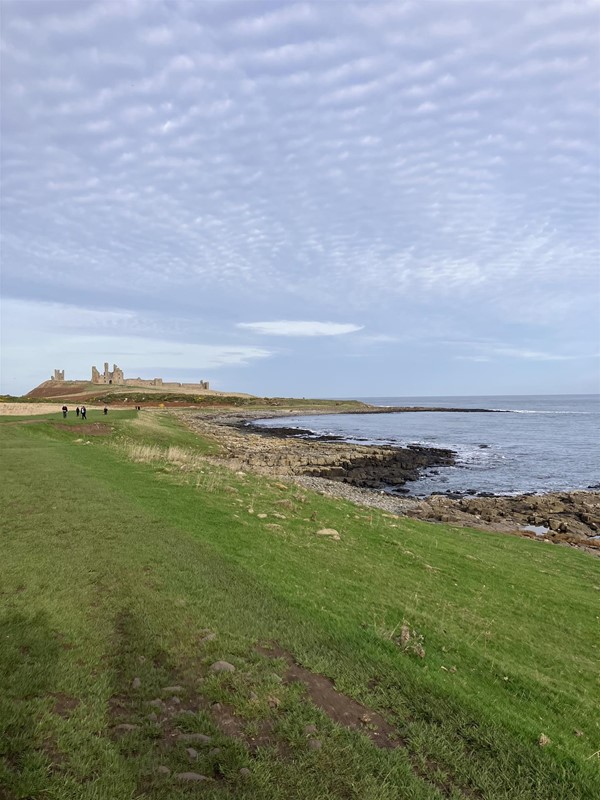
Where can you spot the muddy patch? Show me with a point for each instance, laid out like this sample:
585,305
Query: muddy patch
339,707
64,705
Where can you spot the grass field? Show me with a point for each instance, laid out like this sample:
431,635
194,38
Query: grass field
129,564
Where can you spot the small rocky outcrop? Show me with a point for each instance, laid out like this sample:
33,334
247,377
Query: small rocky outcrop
570,517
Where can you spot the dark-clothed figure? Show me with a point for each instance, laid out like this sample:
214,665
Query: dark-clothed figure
105,410
83,412
64,410
77,410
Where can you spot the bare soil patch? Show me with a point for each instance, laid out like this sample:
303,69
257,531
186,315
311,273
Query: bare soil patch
339,707
64,704
232,726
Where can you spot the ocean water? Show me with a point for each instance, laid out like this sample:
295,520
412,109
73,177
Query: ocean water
545,443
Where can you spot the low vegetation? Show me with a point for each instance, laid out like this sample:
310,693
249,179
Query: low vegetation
161,615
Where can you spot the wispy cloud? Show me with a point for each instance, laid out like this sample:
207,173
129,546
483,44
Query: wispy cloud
285,327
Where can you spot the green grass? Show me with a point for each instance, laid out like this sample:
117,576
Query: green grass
118,557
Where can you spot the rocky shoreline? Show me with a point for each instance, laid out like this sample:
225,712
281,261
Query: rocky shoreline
374,476
284,453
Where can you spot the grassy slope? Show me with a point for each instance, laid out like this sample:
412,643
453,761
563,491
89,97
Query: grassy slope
113,570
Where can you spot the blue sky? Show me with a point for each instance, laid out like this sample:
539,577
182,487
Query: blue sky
313,199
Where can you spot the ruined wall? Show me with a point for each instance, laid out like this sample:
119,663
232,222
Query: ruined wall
59,375
159,383
117,378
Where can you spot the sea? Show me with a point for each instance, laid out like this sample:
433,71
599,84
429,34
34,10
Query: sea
545,443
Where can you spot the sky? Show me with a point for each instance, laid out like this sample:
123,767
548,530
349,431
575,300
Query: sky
314,199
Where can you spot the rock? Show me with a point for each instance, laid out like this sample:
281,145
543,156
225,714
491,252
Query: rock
314,744
209,637
329,532
195,737
191,753
190,777
162,770
310,729
245,772
152,717
125,727
216,751
136,683
262,516
158,703
172,689
175,700
222,666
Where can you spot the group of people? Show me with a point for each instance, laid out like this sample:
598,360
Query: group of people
80,411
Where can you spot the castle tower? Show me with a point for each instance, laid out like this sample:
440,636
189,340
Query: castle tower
59,375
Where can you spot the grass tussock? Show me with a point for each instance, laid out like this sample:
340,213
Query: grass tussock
176,456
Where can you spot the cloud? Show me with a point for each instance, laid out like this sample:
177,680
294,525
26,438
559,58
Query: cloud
298,328
401,162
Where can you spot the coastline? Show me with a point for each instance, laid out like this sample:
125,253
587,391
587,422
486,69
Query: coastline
363,474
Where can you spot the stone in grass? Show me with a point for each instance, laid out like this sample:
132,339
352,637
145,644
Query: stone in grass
136,683
331,532
126,727
314,744
215,751
245,772
162,770
222,666
173,689
310,729
190,777
191,753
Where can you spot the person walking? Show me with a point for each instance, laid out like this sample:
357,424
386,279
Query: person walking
77,410
83,412
64,410
105,410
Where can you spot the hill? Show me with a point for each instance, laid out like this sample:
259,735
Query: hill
80,391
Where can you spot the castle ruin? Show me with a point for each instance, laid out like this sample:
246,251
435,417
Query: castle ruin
115,377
